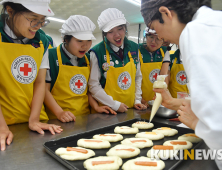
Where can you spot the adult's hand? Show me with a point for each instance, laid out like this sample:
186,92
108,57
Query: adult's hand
187,116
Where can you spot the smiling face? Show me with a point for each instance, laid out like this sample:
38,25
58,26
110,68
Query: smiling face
116,35
78,47
153,42
20,22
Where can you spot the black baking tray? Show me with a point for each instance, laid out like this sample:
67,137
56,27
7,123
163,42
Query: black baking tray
71,141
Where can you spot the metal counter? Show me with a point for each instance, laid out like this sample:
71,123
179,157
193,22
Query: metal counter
27,153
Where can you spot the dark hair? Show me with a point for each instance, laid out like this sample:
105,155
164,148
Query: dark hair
105,33
67,38
185,9
18,9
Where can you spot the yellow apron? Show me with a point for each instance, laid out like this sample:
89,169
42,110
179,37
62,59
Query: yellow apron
178,79
150,71
120,82
19,64
70,88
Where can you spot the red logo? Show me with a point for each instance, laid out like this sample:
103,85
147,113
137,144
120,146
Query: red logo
49,10
26,69
79,84
125,80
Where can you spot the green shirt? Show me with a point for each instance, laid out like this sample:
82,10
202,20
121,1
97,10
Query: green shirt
156,57
54,66
34,42
115,60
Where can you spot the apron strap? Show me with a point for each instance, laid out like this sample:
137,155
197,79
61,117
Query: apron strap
140,56
107,55
87,62
175,61
130,56
162,53
59,55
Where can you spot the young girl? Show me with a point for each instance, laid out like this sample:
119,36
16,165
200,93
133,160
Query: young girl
66,88
23,63
154,60
116,78
178,77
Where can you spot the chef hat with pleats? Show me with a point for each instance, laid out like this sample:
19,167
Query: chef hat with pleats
111,18
80,27
150,31
37,6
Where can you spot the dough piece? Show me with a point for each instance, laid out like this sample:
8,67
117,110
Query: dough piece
137,142
111,137
166,131
93,143
126,130
123,151
143,125
164,152
178,144
191,137
74,153
150,135
143,163
103,163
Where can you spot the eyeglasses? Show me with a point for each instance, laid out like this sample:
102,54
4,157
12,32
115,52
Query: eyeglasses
35,22
151,38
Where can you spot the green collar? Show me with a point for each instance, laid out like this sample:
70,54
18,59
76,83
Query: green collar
126,46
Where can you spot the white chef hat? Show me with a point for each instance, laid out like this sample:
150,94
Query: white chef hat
80,27
111,18
37,6
150,31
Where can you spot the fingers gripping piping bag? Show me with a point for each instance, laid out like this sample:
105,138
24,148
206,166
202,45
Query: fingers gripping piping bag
160,84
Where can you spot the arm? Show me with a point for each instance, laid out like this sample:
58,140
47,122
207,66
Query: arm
96,89
6,135
138,90
100,109
165,67
36,105
64,116
205,88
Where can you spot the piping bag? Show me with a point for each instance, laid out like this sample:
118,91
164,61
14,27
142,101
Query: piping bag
160,84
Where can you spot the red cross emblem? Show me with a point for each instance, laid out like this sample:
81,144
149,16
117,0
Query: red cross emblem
155,76
26,69
182,77
125,80
79,84
49,10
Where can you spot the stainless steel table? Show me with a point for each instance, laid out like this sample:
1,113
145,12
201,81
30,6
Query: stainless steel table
27,153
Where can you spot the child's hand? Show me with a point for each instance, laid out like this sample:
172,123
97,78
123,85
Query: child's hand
140,106
105,109
6,137
122,108
145,102
39,127
66,116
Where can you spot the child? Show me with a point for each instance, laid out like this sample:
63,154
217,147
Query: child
116,77
23,63
154,60
66,88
